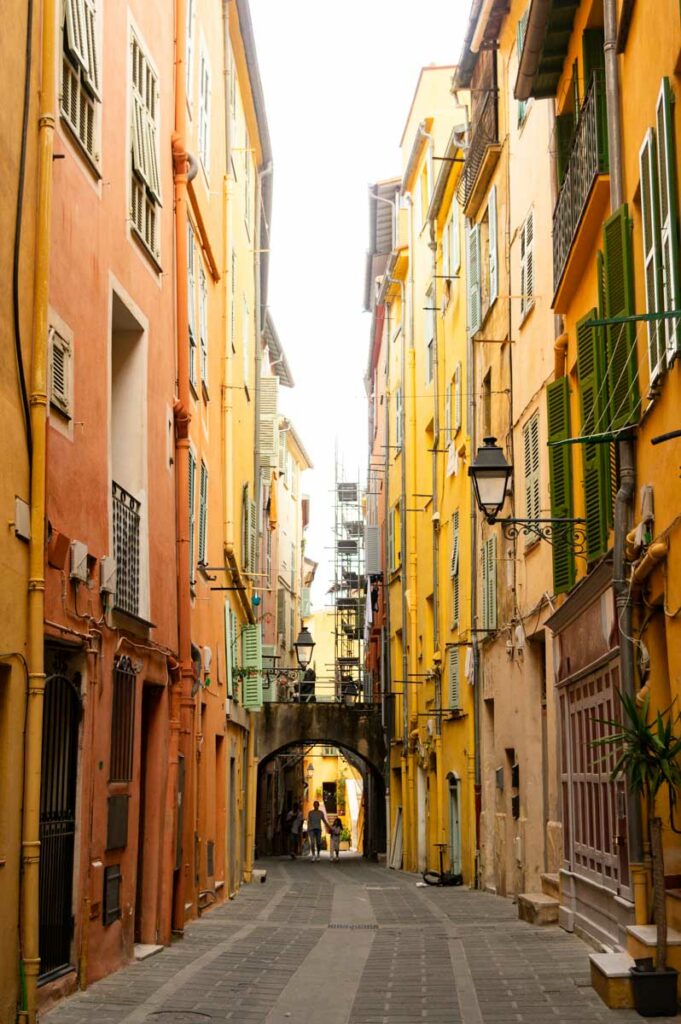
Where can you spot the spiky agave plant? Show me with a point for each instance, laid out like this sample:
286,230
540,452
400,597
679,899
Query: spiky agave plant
647,753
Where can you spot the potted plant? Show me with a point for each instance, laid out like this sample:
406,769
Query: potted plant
345,838
647,753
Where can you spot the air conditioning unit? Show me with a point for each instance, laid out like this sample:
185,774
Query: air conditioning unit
107,575
78,561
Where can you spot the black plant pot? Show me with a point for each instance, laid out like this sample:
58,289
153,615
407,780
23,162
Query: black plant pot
655,992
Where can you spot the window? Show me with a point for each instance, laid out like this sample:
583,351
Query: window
527,266
531,473
204,111
111,903
191,304
429,333
520,41
249,531
248,186
457,399
190,50
454,569
230,647
660,245
145,179
192,513
203,324
122,721
492,238
394,554
591,373
398,417
245,339
60,373
560,480
251,655
489,583
474,283
203,513
80,73
281,618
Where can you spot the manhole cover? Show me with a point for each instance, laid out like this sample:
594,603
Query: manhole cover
178,1017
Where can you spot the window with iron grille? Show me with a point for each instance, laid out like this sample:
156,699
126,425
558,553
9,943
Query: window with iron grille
122,721
80,93
112,893
145,184
126,532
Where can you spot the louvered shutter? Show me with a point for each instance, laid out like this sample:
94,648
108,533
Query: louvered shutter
269,433
446,272
91,74
493,259
474,291
203,512
593,55
391,540
281,615
229,648
192,513
454,569
650,210
560,481
398,416
372,549
203,324
492,581
60,355
527,264
596,476
669,217
620,343
485,587
457,398
245,546
454,676
282,452
251,647
306,601
603,399
531,472
77,32
252,536
448,413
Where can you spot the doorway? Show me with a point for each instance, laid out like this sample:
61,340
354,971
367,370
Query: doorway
61,718
148,836
454,824
330,797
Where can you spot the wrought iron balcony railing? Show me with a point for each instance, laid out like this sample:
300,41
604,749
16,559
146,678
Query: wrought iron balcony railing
126,531
587,159
484,133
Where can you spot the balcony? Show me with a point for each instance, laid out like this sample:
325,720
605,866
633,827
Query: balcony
584,195
126,531
481,157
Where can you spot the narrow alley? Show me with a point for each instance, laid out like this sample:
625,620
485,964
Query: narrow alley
353,943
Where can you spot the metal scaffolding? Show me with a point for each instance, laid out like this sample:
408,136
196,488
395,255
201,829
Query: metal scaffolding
349,589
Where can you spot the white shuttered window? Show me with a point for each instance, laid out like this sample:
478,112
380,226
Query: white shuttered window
80,86
527,265
145,177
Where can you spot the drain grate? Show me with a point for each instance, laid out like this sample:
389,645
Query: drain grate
354,926
178,1017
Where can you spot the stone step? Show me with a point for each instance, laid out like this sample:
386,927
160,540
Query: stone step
143,950
610,977
537,908
550,886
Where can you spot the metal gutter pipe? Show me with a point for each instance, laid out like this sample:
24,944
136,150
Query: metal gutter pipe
625,449
30,838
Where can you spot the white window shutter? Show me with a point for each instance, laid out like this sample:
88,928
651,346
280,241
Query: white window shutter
454,675
651,252
666,159
91,74
203,513
192,511
76,32
448,413
203,324
457,398
492,580
60,373
474,296
493,259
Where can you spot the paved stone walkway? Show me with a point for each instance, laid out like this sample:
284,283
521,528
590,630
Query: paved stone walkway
353,943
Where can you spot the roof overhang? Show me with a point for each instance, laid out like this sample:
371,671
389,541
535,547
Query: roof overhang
417,147
279,362
482,33
450,167
547,37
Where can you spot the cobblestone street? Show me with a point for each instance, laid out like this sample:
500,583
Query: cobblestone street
353,944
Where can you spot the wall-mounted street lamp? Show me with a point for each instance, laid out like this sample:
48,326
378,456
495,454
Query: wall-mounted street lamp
304,646
491,474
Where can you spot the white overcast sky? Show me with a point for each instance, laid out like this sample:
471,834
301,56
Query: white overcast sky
338,81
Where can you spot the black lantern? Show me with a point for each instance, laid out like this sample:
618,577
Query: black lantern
304,646
490,474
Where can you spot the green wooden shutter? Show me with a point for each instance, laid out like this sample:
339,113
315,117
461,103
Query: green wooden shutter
565,129
596,471
669,216
620,339
560,481
251,647
192,502
593,56
610,456
492,580
203,512
652,255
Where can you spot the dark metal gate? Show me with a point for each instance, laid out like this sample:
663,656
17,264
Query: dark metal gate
61,716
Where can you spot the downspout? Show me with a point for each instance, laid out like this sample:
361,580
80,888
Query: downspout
624,500
412,693
30,841
182,703
406,802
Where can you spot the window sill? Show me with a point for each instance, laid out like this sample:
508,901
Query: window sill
135,623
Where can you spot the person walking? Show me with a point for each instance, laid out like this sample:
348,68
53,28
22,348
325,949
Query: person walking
294,820
336,829
315,817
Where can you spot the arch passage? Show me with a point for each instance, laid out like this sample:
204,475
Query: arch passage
357,731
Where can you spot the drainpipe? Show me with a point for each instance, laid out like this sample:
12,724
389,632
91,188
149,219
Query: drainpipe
30,840
624,500
182,702
436,445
